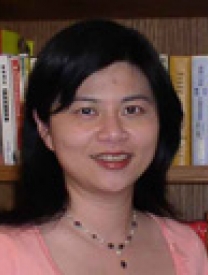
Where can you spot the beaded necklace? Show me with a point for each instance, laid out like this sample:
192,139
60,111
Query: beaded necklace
118,248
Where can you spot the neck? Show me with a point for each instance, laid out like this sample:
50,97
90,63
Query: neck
110,216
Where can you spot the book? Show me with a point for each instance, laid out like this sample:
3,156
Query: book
200,227
25,67
22,65
180,73
13,43
200,110
9,42
17,110
165,60
32,62
7,114
1,141
25,46
30,44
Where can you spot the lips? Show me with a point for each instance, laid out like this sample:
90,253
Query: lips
113,160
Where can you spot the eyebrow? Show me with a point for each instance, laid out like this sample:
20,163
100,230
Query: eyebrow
82,98
138,97
125,99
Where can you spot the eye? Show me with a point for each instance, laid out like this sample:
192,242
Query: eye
133,110
86,111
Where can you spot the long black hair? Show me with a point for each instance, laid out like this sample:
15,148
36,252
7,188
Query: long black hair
63,64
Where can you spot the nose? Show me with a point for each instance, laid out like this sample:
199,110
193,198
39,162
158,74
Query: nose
112,129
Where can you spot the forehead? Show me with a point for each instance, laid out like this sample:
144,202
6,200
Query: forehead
116,79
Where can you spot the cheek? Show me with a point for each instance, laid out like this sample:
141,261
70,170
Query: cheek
148,133
147,143
65,139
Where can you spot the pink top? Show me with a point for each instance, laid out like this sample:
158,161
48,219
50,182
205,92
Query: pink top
23,251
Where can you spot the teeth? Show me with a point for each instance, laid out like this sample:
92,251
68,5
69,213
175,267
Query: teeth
113,157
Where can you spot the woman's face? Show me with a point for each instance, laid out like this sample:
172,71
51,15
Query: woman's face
108,136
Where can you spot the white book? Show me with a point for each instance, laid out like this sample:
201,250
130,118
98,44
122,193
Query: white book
33,60
7,114
200,110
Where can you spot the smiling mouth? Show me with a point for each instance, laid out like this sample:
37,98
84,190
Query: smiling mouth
112,157
114,161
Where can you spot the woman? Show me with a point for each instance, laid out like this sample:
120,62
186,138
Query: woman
102,124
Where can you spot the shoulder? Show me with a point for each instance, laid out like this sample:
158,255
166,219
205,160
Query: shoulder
16,239
182,234
16,236
14,245
185,244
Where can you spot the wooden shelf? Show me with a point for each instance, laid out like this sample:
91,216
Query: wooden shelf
188,175
176,175
9,173
77,9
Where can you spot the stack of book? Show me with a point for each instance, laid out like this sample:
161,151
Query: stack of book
189,75
14,69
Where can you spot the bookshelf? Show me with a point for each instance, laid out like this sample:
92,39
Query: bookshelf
73,9
188,175
174,27
9,173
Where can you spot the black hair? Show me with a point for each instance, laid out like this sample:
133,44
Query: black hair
62,65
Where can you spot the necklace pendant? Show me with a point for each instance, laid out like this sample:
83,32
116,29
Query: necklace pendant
116,248
123,264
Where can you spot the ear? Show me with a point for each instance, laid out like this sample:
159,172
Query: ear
43,131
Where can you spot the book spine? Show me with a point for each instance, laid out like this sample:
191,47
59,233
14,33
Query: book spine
180,72
1,40
165,60
200,110
33,59
7,119
24,60
17,110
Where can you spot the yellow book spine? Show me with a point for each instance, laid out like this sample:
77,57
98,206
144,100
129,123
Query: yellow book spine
180,72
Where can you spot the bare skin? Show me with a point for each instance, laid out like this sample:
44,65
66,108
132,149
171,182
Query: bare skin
147,254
